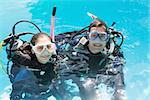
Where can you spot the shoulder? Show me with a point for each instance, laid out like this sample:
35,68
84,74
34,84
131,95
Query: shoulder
117,58
25,50
22,55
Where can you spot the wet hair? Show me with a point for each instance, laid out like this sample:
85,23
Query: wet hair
36,36
102,23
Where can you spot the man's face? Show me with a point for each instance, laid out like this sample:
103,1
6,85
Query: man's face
97,44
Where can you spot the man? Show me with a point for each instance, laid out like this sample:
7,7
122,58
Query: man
97,59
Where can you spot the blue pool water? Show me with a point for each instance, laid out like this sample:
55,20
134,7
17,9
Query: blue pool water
132,18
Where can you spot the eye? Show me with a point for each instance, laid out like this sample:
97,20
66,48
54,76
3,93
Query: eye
49,46
39,48
93,35
103,36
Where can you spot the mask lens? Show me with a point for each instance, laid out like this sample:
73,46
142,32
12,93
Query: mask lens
50,47
93,35
39,49
103,36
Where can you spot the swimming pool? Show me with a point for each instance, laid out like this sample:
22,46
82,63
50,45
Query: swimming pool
131,16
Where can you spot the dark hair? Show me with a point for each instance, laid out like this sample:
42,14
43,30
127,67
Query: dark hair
36,36
102,23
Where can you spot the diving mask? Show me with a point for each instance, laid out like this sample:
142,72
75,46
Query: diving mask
104,36
41,47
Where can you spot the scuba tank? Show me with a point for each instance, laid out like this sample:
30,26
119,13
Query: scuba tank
13,43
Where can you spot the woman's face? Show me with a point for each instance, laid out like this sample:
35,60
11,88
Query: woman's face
97,45
44,49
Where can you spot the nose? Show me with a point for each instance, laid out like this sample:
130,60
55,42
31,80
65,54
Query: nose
98,39
45,52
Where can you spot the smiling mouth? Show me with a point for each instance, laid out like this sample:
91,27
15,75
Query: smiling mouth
45,57
97,44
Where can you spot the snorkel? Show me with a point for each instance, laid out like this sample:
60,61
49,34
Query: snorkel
53,24
52,28
95,18
92,16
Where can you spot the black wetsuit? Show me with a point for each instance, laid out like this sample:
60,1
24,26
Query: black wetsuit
81,62
48,70
28,75
94,60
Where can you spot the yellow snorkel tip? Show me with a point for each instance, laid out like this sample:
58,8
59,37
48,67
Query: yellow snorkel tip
1,44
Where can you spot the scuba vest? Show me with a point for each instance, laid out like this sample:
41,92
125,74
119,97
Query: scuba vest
74,44
20,54
64,42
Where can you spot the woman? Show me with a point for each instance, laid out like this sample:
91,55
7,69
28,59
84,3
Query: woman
32,72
